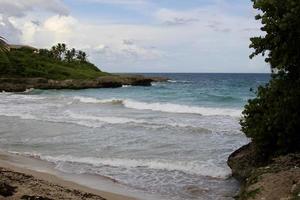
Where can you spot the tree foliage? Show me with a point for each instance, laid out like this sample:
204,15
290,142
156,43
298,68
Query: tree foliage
56,63
281,22
62,53
272,119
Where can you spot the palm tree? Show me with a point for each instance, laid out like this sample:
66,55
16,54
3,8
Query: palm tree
81,56
69,56
3,44
54,52
73,52
61,48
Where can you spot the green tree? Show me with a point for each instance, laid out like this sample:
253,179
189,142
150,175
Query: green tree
58,51
45,52
272,119
81,56
281,22
73,52
68,56
54,52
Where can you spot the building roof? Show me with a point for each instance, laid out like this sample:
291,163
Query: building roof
15,46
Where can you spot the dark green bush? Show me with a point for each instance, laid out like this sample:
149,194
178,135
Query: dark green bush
272,119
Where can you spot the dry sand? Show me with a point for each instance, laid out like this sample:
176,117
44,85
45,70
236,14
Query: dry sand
21,183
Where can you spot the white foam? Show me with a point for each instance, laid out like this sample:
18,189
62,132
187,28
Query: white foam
110,120
207,168
179,81
29,90
171,81
177,108
87,99
20,115
165,107
13,96
94,100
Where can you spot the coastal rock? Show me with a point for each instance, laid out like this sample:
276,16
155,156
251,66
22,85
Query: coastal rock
15,185
22,84
274,180
27,197
296,188
242,162
6,190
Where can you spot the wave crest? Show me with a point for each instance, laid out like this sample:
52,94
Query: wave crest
207,168
109,120
94,100
164,107
177,108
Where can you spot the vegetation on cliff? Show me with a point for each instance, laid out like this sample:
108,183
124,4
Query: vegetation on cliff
272,119
25,67
58,63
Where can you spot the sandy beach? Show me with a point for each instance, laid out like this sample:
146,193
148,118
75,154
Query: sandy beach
22,183
144,142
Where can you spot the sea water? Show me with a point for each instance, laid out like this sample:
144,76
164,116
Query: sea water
171,139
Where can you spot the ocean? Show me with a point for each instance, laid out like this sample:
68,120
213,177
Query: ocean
168,141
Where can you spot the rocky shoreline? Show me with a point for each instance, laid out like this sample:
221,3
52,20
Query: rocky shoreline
23,84
261,180
15,185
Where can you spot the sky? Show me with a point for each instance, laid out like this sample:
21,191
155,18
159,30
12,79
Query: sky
141,35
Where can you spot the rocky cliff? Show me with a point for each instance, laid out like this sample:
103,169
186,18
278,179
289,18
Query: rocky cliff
277,179
22,84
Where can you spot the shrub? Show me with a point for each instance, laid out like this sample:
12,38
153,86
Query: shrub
272,119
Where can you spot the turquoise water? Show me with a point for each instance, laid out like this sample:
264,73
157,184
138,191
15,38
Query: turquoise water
208,90
171,140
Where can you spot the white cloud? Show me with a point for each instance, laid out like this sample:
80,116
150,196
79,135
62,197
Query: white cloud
18,8
122,2
44,33
205,39
12,12
172,17
60,24
206,18
8,30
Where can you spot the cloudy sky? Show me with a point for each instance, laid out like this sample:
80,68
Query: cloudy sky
141,35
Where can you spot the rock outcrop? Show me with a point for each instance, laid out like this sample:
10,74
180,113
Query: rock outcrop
277,179
22,84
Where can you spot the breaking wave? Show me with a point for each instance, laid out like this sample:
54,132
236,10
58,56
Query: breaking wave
205,168
109,120
94,100
164,107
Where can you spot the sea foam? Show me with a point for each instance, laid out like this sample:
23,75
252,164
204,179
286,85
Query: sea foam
204,168
165,107
177,108
95,100
110,120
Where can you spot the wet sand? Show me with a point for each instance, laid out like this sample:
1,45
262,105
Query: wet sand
21,183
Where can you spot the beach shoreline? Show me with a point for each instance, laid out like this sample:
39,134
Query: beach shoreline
168,141
32,183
